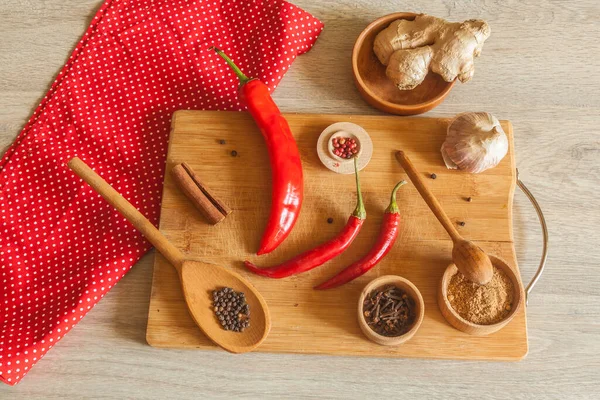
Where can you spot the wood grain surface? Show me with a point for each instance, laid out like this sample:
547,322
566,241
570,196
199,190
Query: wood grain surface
539,69
324,322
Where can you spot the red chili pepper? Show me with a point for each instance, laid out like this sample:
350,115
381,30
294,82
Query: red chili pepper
286,168
387,236
323,253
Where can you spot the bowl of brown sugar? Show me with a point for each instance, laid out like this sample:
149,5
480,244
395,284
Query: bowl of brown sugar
480,309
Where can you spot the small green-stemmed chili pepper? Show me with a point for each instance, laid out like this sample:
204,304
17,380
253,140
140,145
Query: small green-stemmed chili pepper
387,236
323,253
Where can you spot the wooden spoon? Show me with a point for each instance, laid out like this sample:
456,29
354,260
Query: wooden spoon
198,279
469,258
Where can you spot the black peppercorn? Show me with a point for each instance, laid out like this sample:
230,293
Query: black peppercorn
231,309
233,153
222,141
433,176
462,223
330,220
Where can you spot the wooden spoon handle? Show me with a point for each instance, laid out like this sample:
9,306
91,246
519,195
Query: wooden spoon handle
128,211
431,201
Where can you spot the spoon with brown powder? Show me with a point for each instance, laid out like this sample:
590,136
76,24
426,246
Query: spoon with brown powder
469,258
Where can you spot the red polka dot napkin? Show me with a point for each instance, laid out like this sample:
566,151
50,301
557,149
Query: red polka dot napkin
61,246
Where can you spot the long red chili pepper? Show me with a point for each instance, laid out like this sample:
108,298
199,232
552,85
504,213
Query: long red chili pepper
286,168
387,236
324,252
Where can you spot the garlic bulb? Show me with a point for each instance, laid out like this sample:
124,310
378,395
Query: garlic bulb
474,142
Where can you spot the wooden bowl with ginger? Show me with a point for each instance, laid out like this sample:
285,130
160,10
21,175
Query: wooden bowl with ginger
378,90
406,63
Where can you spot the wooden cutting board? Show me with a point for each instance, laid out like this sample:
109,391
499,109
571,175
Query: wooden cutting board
324,322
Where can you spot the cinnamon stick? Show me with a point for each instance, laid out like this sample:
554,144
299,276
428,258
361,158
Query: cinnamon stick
208,205
222,207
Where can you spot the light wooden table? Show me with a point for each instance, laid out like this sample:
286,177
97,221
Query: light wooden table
540,69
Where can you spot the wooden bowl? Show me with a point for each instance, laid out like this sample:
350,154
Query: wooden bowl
462,324
411,290
338,164
378,90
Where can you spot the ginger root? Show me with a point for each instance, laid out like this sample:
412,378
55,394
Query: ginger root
410,49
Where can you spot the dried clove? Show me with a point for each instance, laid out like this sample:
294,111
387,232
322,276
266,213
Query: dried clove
389,311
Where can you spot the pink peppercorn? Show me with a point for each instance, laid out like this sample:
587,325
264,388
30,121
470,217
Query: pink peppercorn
344,147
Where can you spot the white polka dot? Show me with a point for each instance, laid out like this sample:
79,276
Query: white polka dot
61,246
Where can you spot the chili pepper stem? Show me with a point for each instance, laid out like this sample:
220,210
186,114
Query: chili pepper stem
241,76
359,211
393,207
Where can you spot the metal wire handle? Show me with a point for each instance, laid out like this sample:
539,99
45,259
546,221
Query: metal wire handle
540,214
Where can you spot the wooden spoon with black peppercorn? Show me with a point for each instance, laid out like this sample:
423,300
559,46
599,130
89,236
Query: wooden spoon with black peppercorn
198,279
469,258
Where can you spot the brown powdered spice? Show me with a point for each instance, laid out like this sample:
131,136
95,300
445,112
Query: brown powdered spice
481,304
